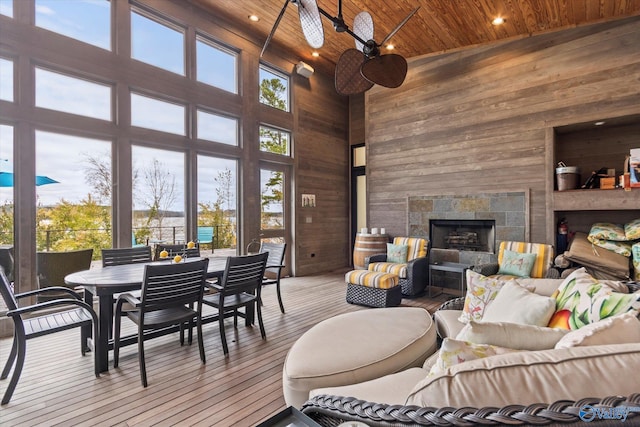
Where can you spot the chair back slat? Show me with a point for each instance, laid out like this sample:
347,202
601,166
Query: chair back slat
170,284
120,256
276,253
244,274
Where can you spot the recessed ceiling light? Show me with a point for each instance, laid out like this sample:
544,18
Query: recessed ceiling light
390,46
315,54
498,21
599,123
254,18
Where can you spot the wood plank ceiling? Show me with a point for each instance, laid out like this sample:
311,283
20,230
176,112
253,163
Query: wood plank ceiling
438,26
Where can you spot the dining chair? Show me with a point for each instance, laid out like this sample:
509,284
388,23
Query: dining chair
39,319
174,250
239,287
52,267
275,264
171,295
120,256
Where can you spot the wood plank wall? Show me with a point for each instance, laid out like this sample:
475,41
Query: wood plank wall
475,120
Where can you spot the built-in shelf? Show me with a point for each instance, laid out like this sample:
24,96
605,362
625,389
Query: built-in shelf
596,200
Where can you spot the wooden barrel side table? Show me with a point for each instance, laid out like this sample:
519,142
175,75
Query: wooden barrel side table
367,245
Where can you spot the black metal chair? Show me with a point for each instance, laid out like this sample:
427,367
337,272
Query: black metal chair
77,313
169,293
240,287
120,256
275,264
174,250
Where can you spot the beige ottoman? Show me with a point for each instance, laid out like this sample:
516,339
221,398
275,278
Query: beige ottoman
355,347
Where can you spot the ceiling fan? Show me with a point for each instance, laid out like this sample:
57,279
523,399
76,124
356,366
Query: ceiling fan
357,69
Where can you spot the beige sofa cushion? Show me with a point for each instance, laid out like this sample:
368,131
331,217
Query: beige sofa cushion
544,287
512,335
624,328
518,305
447,323
355,347
534,377
390,389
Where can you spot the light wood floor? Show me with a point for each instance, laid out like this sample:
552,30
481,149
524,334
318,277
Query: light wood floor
57,386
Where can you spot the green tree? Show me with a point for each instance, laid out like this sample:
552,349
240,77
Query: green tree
273,93
220,213
6,224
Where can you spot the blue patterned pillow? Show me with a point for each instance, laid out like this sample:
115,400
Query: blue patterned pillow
517,264
397,253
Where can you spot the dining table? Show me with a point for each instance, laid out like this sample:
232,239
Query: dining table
106,282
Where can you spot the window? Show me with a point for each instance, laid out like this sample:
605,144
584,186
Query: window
275,141
274,89
158,196
157,43
6,191
155,114
72,95
271,199
6,8
216,66
6,80
214,127
73,190
217,200
85,20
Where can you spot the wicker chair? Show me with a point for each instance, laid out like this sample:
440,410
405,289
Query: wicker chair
417,266
329,410
52,268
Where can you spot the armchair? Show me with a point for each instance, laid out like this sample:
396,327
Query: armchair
541,266
413,273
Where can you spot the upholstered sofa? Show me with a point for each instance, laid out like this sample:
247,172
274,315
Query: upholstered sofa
540,383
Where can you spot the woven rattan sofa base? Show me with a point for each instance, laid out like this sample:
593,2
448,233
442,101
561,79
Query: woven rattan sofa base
329,410
374,297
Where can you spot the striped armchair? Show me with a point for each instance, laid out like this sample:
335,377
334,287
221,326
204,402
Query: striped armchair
413,274
541,267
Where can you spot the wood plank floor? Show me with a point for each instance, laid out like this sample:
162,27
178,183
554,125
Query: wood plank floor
58,388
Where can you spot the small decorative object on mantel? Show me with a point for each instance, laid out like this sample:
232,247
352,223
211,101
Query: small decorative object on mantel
567,176
634,167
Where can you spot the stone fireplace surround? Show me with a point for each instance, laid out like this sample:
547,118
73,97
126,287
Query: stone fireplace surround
509,210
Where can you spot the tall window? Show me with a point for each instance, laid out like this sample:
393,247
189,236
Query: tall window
217,128
217,201
6,8
72,95
73,189
6,184
275,141
156,114
157,42
6,80
271,199
274,88
158,196
216,66
85,20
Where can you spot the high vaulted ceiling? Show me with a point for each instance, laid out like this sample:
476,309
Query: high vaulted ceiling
438,26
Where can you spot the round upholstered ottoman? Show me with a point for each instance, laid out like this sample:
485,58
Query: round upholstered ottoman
355,347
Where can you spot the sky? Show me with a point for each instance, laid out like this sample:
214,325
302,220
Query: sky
63,157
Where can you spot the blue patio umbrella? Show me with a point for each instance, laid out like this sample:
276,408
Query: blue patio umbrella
6,179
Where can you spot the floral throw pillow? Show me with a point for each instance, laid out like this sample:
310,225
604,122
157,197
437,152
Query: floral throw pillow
635,251
582,299
481,291
632,229
453,352
397,253
607,231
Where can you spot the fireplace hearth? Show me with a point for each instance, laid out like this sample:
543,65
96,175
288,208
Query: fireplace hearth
463,234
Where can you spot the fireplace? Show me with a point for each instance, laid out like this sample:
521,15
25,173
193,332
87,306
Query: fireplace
463,234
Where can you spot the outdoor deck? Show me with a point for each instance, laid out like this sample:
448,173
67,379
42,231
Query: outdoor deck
58,386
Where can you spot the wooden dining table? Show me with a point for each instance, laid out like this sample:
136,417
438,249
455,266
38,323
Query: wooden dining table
104,283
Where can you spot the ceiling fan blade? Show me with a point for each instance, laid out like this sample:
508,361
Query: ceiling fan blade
275,26
311,23
363,27
349,80
385,70
400,25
